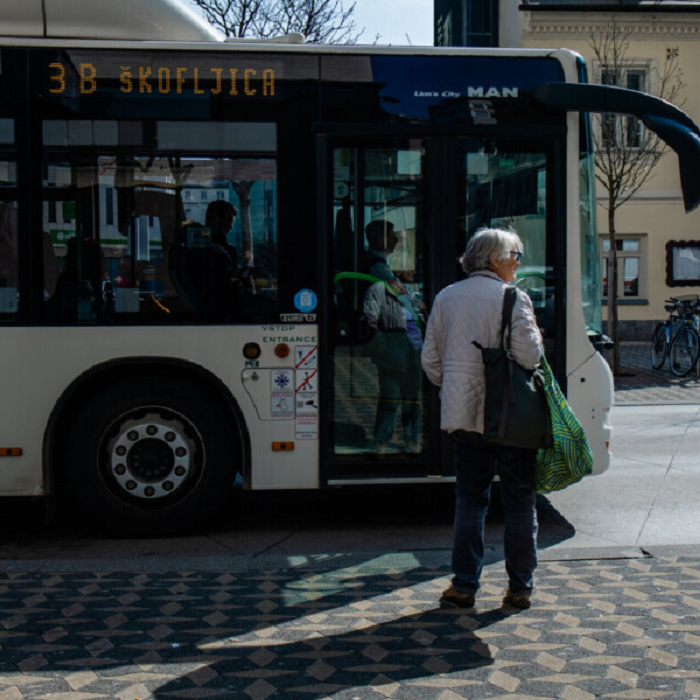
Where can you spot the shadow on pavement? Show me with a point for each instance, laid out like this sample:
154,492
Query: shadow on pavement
298,633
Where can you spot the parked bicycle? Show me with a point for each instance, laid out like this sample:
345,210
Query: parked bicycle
677,338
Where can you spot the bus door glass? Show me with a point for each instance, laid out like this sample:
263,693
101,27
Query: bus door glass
377,398
505,185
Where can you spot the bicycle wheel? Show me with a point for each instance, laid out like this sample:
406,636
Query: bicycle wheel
684,351
659,346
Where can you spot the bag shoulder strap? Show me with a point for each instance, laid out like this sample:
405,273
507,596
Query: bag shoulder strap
507,314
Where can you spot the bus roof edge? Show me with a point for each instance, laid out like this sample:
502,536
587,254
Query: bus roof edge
293,38
166,20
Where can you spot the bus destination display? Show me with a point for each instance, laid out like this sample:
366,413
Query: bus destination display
86,78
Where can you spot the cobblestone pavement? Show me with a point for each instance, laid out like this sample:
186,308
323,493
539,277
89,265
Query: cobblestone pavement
643,385
615,628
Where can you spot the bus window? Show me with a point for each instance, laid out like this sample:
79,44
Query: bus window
144,231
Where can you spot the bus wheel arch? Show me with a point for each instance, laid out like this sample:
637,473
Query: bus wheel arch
180,431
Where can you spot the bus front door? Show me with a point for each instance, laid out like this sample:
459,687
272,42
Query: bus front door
379,423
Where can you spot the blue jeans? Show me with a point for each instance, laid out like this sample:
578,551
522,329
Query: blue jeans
475,466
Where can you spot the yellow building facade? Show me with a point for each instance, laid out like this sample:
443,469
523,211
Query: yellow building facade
658,243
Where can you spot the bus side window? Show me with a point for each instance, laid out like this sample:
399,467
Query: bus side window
8,260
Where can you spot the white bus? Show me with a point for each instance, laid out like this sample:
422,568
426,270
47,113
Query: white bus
156,355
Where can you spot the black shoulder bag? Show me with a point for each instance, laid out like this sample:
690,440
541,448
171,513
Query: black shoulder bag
515,411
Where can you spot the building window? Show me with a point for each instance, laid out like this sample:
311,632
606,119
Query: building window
619,130
683,263
631,282
636,80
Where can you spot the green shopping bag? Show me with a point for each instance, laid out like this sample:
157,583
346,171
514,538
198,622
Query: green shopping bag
569,458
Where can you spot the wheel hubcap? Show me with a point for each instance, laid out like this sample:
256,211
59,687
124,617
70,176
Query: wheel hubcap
152,455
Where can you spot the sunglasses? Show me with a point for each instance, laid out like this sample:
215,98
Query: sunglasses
516,254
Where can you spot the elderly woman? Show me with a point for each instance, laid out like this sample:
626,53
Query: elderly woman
466,311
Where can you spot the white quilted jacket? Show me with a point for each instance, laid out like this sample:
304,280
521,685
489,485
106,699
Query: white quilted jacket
466,311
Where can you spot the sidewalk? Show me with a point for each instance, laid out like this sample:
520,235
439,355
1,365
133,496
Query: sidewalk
616,628
644,385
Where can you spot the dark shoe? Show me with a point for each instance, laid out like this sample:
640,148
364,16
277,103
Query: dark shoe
453,597
523,601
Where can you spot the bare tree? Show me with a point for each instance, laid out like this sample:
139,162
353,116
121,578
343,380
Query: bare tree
320,21
625,152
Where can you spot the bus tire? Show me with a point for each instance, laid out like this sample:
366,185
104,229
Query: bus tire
151,456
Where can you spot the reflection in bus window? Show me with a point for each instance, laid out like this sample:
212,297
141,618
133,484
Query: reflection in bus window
148,215
507,189
378,279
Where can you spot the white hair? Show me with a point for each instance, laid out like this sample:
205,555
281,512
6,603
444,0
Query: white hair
488,241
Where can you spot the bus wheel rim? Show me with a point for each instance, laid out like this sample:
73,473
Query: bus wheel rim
153,455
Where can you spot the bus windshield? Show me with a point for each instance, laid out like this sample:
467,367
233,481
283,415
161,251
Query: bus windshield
590,270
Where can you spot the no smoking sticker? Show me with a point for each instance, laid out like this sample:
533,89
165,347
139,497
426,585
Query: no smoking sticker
306,356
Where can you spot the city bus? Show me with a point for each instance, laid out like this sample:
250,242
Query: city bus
183,235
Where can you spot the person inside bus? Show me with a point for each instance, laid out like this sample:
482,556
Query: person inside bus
219,220
472,310
396,342
79,289
204,266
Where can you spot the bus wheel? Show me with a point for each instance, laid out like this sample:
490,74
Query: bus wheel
151,456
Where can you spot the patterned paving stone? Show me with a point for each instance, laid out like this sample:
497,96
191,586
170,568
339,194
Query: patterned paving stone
642,385
598,629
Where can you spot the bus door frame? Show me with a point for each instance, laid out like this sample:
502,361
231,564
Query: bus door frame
441,158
